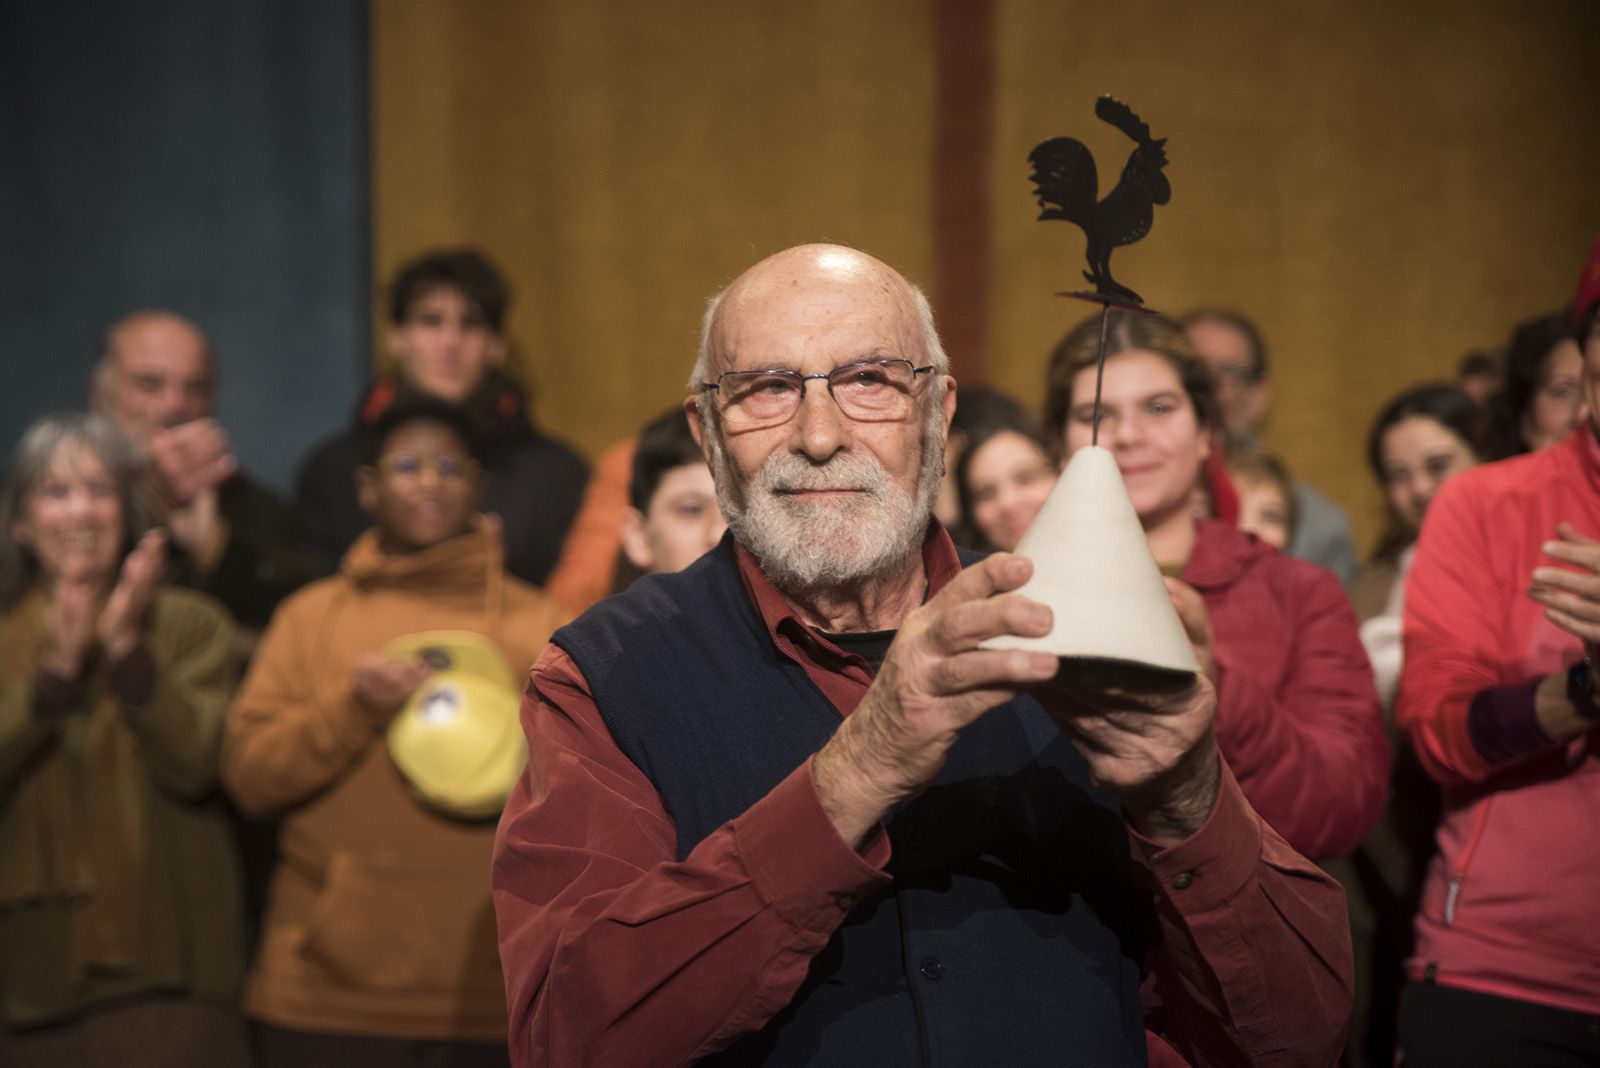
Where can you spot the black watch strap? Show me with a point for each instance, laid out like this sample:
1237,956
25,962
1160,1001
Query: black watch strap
1580,690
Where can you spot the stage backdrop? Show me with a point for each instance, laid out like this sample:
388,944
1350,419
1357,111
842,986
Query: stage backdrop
1382,186
204,157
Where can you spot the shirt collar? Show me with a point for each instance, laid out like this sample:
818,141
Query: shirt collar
939,562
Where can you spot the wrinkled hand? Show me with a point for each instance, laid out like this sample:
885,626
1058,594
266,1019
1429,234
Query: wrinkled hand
189,458
1571,598
1147,739
1191,609
383,685
934,682
123,616
69,628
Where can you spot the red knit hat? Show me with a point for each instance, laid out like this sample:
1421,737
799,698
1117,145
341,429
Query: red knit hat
1588,285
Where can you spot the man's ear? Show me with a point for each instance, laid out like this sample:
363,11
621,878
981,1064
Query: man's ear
398,351
948,402
634,542
495,354
697,429
1260,401
367,489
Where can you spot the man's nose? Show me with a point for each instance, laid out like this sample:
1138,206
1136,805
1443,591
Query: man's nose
819,428
174,401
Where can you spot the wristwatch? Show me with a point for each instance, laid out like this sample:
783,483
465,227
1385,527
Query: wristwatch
1580,690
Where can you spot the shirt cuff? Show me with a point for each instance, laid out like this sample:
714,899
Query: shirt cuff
1207,869
1503,722
798,862
133,678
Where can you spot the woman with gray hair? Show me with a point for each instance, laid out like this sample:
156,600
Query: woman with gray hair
121,937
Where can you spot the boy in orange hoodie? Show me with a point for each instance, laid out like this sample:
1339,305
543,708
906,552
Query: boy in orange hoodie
379,939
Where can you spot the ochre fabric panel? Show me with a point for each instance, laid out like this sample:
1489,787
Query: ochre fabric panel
624,160
963,202
1382,185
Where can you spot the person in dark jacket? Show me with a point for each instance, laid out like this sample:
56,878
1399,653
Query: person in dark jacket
231,536
446,339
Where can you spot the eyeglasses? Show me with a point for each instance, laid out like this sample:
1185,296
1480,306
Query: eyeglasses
867,391
447,468
1238,374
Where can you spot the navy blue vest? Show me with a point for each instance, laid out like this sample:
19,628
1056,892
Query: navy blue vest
1012,933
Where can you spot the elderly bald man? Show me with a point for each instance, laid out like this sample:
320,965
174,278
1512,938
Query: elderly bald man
156,379
780,808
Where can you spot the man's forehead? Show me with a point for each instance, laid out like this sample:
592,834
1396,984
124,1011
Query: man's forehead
817,320
161,344
1216,340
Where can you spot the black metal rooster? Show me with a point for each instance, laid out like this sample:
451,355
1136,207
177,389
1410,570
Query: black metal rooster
1066,184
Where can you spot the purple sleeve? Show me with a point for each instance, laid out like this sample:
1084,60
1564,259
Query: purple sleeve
1503,724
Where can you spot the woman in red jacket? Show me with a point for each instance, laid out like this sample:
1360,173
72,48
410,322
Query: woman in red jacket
1297,714
1502,629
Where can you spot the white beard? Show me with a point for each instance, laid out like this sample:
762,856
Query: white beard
807,546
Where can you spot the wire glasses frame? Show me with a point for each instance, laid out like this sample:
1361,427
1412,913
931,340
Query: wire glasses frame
446,468
866,391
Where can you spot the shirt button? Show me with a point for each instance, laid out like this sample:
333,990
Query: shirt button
931,967
1182,880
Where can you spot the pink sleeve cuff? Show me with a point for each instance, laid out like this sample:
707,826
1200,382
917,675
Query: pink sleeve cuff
797,860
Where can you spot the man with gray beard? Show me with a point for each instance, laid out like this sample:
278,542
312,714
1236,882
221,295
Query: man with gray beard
782,808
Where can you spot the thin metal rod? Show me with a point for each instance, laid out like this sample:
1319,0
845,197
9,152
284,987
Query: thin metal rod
1099,374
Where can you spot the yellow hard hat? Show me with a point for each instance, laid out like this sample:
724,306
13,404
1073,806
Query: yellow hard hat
458,741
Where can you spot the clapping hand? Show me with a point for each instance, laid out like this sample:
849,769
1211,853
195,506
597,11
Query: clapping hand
1571,598
190,458
123,616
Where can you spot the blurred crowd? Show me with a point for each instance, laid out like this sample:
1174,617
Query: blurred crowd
222,841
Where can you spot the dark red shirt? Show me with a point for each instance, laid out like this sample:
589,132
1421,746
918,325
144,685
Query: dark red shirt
615,952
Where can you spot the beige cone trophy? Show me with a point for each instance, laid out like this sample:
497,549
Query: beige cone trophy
1092,566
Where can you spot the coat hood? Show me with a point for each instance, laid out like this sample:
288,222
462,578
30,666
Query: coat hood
497,410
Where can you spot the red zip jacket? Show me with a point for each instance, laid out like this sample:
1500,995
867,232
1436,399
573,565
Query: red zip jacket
1508,907
1298,717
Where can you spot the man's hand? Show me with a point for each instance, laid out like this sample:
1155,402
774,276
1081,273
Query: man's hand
123,616
189,458
934,682
1191,609
1147,739
383,685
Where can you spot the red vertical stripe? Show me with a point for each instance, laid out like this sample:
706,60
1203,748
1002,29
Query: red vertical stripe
963,141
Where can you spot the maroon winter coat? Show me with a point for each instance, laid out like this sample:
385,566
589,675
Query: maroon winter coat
1298,717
